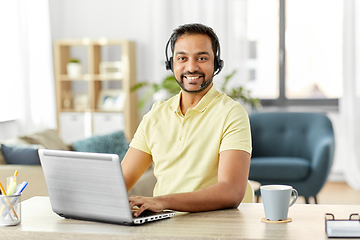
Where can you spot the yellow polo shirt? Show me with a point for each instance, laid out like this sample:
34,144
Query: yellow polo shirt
185,149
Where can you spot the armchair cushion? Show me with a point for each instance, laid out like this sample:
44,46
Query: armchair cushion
20,155
49,138
110,143
279,169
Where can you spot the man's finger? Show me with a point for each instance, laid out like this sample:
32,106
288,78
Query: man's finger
139,202
142,208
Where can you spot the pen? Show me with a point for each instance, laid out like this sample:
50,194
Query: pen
2,189
16,172
21,188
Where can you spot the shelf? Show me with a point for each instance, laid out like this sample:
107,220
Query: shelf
84,77
90,77
100,77
108,111
90,90
70,110
88,42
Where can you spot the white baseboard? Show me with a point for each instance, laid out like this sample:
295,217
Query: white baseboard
336,177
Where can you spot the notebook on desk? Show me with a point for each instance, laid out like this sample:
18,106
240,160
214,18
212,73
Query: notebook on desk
89,186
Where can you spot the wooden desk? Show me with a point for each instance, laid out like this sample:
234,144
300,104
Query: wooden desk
39,222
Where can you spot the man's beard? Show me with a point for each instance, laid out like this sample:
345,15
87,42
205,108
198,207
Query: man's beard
181,83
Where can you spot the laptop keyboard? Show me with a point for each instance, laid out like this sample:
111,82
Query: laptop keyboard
146,213
149,216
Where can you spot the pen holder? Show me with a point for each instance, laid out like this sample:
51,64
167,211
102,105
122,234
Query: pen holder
10,210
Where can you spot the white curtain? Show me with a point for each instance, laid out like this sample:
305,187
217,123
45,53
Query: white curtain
350,102
27,65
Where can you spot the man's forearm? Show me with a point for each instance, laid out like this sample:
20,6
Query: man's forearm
218,196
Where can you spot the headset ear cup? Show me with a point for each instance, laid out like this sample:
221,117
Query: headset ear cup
221,65
218,65
169,64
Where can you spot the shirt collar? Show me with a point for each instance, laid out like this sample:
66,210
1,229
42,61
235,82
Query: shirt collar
201,106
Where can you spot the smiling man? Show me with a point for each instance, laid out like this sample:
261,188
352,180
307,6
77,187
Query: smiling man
199,140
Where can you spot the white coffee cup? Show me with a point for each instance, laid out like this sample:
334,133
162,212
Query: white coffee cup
276,200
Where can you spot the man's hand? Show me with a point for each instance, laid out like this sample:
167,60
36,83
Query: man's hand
146,203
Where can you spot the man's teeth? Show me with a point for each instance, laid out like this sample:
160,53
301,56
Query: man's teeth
192,78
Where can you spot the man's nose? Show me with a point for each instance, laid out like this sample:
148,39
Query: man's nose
192,65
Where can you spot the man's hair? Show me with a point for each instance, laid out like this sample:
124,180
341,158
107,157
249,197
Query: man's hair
195,28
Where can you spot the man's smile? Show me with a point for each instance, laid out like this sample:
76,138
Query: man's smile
192,78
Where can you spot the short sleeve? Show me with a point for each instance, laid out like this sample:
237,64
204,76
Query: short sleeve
139,141
236,132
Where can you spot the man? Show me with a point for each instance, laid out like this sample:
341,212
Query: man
199,140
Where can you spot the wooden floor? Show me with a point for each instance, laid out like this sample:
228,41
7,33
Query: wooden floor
335,193
338,193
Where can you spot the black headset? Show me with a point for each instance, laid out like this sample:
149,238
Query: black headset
218,63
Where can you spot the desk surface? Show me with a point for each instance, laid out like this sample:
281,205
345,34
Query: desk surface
39,222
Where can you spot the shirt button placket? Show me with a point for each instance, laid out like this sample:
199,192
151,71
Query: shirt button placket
182,134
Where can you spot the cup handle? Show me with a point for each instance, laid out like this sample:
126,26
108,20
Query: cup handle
295,197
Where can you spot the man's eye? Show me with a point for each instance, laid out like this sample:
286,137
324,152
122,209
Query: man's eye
181,58
202,58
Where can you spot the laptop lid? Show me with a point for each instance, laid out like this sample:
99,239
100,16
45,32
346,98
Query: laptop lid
87,186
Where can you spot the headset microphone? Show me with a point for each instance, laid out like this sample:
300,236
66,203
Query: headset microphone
208,82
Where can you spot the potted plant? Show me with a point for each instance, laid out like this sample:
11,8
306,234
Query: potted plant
74,68
169,87
240,94
165,90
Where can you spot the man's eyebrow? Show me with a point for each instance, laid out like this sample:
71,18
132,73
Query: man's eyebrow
199,53
203,53
180,53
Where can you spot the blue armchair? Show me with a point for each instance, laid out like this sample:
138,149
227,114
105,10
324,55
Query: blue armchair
290,148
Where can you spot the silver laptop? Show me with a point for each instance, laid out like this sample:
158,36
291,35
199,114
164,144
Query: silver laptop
90,186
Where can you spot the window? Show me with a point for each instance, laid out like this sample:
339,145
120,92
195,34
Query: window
9,62
262,36
294,51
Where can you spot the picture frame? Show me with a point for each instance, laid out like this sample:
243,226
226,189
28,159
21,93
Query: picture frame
111,70
111,100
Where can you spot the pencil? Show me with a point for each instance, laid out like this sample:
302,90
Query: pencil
2,189
16,172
